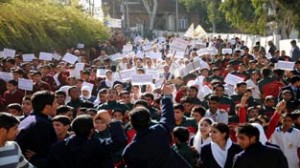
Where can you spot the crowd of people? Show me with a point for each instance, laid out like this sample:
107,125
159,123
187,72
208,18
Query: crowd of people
188,119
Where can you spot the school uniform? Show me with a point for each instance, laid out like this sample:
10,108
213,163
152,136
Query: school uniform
260,156
213,157
37,134
289,142
13,97
150,147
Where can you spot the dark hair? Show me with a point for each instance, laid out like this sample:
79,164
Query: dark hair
214,98
222,127
62,119
62,109
140,102
72,87
201,110
295,79
149,95
102,91
60,92
241,84
86,104
208,120
181,133
8,121
248,130
40,99
139,118
82,125
265,72
15,106
11,60
218,85
13,82
193,88
124,92
179,107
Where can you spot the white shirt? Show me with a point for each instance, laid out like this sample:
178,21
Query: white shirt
289,142
255,92
218,116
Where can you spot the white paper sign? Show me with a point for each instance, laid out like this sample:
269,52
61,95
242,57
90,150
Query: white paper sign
25,84
55,77
202,51
79,66
179,54
226,51
9,52
212,51
74,73
80,46
101,73
56,56
190,68
126,74
90,86
179,44
70,58
154,55
45,56
127,48
141,79
232,79
28,57
154,73
1,54
6,76
116,56
285,65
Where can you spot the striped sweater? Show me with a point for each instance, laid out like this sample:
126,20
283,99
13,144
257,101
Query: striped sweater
11,156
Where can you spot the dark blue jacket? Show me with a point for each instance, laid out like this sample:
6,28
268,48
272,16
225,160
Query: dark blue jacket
81,152
208,160
37,134
150,148
260,156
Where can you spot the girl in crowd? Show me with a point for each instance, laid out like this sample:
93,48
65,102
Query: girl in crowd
202,136
220,151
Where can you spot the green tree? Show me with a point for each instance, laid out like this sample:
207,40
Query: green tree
40,25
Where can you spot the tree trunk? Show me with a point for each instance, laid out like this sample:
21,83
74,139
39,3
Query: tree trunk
151,12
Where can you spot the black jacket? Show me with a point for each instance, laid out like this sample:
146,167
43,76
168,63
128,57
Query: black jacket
80,152
260,156
150,148
208,160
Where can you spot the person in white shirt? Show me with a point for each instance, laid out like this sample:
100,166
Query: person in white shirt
214,112
288,139
252,84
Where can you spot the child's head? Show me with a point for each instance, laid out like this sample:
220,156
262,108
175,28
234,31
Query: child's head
61,124
213,102
198,112
181,135
99,124
11,85
8,126
287,120
92,112
27,105
252,112
65,110
270,101
296,117
287,95
15,109
118,114
205,126
178,112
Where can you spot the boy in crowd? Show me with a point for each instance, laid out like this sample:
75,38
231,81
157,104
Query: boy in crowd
61,125
182,120
256,154
12,94
214,112
287,138
10,152
65,110
181,137
16,110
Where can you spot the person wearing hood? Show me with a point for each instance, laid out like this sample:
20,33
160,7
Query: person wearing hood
86,94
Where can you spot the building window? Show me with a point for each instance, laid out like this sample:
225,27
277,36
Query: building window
182,23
